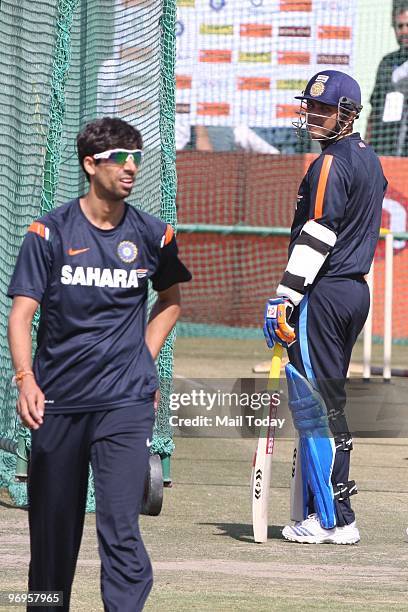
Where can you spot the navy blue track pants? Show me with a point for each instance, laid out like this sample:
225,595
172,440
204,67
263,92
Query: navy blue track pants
114,441
328,322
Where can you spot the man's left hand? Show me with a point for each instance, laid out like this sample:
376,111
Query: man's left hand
276,327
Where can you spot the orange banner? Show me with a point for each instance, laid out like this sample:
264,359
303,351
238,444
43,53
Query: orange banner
216,56
293,57
183,81
329,31
213,109
304,6
285,111
255,30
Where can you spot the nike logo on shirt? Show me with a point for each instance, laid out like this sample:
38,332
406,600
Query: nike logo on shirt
77,251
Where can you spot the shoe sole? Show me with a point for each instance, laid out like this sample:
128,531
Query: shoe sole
306,540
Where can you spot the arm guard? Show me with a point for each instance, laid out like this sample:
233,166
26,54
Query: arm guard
309,254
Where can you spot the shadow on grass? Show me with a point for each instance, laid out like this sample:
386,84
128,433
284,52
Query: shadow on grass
244,533
11,506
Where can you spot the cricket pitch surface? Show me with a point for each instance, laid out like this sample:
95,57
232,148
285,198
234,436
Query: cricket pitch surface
201,545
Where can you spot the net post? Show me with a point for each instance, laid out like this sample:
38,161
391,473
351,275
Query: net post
368,329
389,253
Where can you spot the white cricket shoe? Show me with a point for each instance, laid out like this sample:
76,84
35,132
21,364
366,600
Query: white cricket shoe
310,531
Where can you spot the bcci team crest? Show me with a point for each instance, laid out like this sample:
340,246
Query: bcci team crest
127,251
317,89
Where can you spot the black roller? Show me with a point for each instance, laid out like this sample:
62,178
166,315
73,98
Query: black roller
153,495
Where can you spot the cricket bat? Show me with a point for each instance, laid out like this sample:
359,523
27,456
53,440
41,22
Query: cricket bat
262,464
296,484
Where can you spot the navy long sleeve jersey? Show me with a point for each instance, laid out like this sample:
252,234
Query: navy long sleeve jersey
343,190
92,287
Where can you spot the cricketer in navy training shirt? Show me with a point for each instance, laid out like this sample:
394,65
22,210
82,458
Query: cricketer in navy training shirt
89,396
92,286
322,303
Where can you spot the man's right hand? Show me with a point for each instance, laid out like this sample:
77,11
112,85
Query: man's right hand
276,327
30,402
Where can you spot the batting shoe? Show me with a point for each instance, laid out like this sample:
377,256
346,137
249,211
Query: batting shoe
310,531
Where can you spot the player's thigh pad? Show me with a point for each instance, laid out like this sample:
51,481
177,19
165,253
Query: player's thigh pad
316,445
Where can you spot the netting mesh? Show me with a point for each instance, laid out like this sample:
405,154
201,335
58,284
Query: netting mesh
27,48
64,63
238,67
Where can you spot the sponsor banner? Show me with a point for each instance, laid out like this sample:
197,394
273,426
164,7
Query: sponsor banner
183,81
216,56
255,57
296,5
183,109
255,30
336,32
213,109
333,59
295,31
254,83
292,84
293,57
217,29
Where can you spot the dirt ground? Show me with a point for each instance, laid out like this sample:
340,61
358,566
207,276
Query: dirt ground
201,545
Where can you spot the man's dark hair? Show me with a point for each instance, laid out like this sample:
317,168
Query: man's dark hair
398,7
104,134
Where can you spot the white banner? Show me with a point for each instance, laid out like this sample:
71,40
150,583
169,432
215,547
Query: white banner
243,61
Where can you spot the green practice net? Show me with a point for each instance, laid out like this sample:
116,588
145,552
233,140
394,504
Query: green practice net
239,161
64,63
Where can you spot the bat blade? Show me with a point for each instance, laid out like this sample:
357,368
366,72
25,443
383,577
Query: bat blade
262,464
296,485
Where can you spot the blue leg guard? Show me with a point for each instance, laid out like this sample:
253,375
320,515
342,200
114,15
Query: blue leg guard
317,446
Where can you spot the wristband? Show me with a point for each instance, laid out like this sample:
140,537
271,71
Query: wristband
18,377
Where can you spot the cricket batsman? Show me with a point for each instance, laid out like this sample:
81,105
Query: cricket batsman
322,302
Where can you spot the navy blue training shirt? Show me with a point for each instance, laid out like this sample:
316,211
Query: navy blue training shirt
92,286
343,190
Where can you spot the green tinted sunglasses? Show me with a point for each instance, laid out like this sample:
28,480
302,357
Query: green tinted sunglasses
120,156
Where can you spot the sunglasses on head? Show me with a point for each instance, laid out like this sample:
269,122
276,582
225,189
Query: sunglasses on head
120,156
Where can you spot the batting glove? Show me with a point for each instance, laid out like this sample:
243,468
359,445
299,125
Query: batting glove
276,327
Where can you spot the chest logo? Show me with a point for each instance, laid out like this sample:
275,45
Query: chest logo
100,277
127,251
77,251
